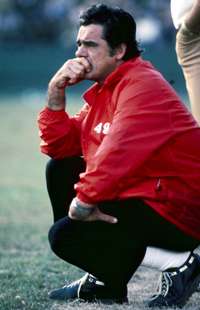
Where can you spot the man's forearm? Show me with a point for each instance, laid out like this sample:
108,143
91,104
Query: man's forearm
56,98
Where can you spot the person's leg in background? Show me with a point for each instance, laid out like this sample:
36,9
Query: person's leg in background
188,49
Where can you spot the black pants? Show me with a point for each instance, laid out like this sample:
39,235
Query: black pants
111,252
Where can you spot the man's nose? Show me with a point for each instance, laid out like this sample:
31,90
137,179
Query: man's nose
81,51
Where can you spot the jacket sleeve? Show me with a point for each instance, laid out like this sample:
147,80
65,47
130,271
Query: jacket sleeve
141,125
60,134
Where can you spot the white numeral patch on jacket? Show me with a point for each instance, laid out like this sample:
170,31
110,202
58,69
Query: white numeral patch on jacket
102,128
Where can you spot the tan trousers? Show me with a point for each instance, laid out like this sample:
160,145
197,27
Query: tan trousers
188,54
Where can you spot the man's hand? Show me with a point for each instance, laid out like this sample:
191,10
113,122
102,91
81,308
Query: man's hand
84,212
72,72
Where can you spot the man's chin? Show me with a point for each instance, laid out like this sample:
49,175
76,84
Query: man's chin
89,76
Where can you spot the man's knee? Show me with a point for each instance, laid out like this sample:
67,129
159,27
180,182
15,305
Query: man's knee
53,237
61,235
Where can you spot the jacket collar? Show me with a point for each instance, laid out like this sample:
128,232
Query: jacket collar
111,80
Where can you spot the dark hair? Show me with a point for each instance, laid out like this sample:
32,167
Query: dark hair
118,27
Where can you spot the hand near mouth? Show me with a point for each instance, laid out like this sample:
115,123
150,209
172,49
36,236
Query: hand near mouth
72,72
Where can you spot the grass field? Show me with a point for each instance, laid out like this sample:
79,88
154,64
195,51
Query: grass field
28,269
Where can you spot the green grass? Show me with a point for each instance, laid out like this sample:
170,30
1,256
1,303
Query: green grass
28,269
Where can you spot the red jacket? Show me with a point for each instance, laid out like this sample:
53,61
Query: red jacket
138,140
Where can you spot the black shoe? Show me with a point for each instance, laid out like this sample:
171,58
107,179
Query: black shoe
89,289
178,284
66,292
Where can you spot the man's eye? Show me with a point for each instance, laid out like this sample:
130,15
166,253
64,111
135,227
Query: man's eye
92,44
87,44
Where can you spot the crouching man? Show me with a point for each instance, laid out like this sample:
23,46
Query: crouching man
125,170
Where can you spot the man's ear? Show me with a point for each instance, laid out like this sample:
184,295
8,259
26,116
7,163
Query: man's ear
120,51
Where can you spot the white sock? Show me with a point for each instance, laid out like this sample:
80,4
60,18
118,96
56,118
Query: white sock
162,259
